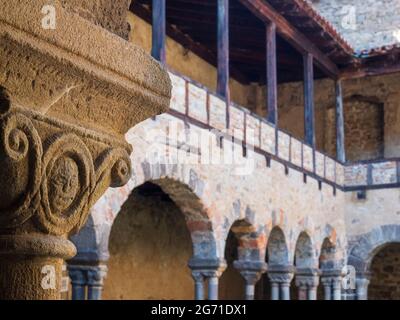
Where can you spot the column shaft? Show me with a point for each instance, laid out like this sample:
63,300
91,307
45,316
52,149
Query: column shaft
94,292
312,293
285,291
249,293
199,289
78,291
327,292
274,291
213,288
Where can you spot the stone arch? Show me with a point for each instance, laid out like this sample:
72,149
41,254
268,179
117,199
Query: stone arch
328,255
364,247
305,253
237,248
384,273
150,242
251,242
196,215
277,249
331,253
185,187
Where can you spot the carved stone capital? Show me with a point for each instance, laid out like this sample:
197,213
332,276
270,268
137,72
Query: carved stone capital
251,271
307,278
69,92
88,275
55,172
208,268
332,278
281,274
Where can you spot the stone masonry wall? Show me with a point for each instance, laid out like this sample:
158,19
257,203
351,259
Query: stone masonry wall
364,130
373,91
385,279
364,23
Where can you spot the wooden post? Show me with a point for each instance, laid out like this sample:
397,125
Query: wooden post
272,93
309,121
223,48
158,35
340,149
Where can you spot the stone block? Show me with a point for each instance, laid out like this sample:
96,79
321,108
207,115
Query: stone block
295,152
356,175
197,103
268,141
384,172
330,166
320,164
236,125
217,112
308,158
252,130
283,146
178,94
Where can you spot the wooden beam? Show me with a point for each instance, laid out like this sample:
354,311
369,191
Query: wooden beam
159,31
266,13
366,71
309,120
187,42
223,48
272,91
340,147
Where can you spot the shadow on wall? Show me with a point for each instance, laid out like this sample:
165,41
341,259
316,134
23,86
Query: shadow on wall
150,247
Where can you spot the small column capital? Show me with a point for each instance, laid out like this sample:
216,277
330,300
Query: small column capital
281,274
251,271
307,278
96,275
77,275
207,267
331,278
87,275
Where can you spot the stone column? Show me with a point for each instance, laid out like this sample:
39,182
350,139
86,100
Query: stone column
78,282
198,285
65,107
210,270
332,283
280,278
307,281
362,283
213,278
251,271
96,275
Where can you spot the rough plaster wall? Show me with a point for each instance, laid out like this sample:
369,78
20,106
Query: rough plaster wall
150,247
381,207
376,23
385,278
186,62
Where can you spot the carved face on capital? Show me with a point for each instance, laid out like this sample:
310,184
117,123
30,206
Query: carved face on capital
63,184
